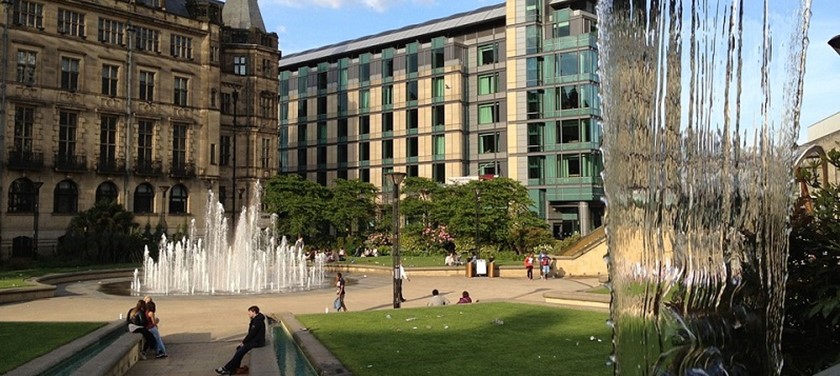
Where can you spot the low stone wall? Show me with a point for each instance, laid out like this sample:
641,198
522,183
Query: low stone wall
44,287
323,360
263,360
578,299
116,359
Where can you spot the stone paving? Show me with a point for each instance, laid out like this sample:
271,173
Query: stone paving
201,332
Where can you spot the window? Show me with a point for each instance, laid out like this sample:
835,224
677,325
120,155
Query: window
364,124
302,134
69,73
71,23
533,10
144,196
108,142
388,122
110,74
438,145
180,92
488,113
266,68
180,46
147,39
567,64
438,116
534,71
342,129
214,54
412,119
240,65
387,68
535,167
111,31
26,67
267,106
67,122
24,120
364,72
439,172
387,149
178,199
224,156
488,143
321,132
570,166
22,196
364,151
265,153
145,131
438,87
560,29
437,58
179,145
411,90
147,86
535,137
342,154
364,99
535,104
321,108
343,79
364,175
569,132
302,159
322,155
488,54
66,197
488,83
342,103
29,14
491,168
322,80
533,39
387,95
302,112
107,192
567,97
412,147
411,63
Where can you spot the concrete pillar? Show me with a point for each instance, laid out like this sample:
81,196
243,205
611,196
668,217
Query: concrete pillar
584,217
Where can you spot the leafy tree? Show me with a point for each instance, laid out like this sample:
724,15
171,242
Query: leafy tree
812,299
105,233
417,205
352,206
301,205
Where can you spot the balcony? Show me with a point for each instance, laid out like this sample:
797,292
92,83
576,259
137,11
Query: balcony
148,167
110,166
25,160
65,162
182,169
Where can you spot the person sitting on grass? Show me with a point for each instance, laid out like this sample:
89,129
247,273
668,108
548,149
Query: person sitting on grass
254,338
437,299
465,298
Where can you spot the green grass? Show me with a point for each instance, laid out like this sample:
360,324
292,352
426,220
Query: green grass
413,261
21,342
17,278
475,339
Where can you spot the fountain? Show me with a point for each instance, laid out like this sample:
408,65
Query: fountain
701,109
255,263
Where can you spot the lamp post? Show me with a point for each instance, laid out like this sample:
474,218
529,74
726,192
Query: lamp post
835,43
163,190
397,178
4,66
36,202
477,218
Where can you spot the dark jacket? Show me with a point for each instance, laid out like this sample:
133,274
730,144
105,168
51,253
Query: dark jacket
256,332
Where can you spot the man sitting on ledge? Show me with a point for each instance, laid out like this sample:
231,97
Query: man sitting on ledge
254,338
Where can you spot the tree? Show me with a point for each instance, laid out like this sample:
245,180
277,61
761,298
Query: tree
301,206
812,298
105,233
352,206
417,206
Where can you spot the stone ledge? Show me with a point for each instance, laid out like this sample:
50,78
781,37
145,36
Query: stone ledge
45,285
263,360
116,359
578,299
323,360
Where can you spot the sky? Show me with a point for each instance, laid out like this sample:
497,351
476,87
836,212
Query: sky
307,24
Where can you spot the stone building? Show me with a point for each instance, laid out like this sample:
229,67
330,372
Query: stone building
505,90
147,102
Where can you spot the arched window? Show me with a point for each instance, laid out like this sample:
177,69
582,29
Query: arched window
65,197
22,196
107,192
178,200
144,197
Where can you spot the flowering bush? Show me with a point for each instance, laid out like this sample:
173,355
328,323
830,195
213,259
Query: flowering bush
437,236
377,239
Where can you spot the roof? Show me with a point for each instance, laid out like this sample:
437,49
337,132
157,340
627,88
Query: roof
460,20
242,14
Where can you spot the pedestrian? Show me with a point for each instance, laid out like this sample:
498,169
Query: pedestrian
152,326
403,276
339,283
465,298
545,265
437,299
529,266
254,338
136,318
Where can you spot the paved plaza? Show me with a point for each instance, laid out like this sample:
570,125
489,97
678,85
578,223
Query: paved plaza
201,332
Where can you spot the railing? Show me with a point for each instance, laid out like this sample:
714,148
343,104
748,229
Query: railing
182,170
25,160
70,162
111,166
148,167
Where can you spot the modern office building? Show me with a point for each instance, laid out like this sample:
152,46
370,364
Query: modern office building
508,90
146,102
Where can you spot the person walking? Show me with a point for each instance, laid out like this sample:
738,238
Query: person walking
529,266
545,265
340,292
403,276
254,338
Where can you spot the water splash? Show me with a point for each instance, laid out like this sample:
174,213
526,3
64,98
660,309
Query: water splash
254,263
698,209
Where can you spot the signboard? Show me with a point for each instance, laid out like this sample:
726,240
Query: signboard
481,267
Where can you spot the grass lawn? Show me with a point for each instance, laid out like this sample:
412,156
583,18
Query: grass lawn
17,278
21,342
414,261
474,339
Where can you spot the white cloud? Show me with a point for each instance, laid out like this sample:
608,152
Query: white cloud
280,29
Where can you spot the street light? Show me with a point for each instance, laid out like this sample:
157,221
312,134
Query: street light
36,201
835,43
397,178
477,217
